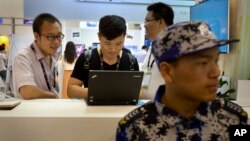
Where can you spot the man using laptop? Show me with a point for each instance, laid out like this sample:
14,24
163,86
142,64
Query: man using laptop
112,32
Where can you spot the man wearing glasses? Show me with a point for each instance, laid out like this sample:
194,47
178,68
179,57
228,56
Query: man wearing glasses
159,16
35,67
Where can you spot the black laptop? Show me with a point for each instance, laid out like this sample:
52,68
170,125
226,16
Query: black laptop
114,87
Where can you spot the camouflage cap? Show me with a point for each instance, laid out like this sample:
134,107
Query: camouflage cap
184,38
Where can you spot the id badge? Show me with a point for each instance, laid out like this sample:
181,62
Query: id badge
146,78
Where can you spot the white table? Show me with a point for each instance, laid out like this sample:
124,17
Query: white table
60,120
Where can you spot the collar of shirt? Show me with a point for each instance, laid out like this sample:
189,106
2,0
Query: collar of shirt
39,54
173,118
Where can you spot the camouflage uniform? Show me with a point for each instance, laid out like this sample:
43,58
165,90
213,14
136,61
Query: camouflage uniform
155,122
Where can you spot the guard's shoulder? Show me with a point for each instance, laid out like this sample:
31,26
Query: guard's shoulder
235,109
136,114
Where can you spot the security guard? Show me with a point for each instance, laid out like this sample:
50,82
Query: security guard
186,107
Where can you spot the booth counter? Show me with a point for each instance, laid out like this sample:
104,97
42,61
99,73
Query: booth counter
62,120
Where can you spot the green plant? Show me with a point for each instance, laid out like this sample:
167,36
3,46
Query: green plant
227,94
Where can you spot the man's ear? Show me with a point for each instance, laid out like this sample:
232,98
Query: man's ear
167,71
162,22
36,35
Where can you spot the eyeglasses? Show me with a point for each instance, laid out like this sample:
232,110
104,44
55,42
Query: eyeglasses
149,20
53,37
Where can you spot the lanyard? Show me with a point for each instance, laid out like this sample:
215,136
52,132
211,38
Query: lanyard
150,65
44,72
117,63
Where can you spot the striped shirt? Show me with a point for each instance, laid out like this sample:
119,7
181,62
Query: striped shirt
27,70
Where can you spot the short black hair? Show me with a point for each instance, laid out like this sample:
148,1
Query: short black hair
2,47
38,21
162,10
112,26
3,44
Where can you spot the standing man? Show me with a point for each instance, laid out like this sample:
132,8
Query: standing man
186,107
159,16
35,67
110,55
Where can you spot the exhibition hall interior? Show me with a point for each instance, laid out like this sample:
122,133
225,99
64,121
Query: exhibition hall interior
71,118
